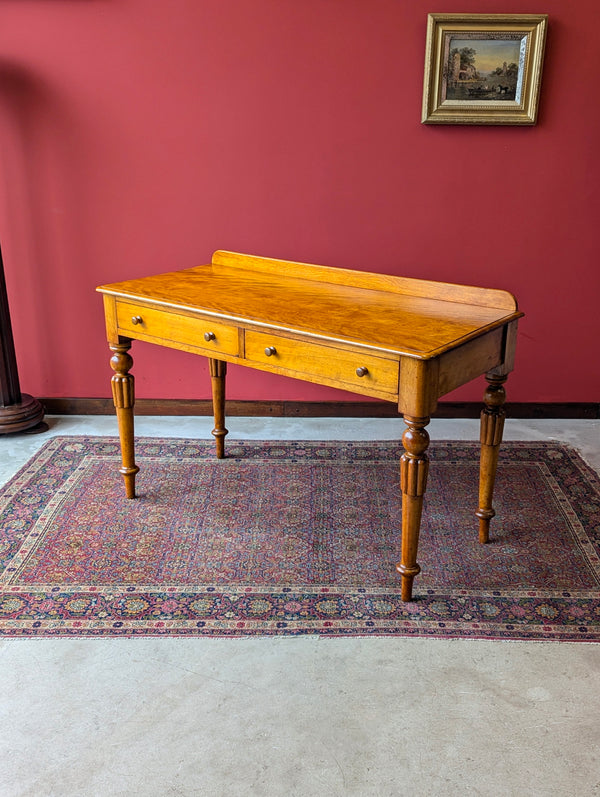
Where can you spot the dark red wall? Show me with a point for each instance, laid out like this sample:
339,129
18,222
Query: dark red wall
137,137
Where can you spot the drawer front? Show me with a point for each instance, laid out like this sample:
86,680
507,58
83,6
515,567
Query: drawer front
354,371
170,328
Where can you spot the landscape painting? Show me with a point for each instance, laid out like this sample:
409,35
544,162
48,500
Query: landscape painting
484,69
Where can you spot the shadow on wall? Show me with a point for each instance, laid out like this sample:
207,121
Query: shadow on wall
39,180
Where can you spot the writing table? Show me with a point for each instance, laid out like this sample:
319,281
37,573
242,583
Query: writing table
404,340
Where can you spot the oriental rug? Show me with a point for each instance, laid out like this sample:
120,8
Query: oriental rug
295,538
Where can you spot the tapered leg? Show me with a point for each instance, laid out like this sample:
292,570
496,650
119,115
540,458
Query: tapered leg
414,466
218,372
492,426
123,396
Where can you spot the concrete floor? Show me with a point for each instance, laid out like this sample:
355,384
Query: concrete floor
298,716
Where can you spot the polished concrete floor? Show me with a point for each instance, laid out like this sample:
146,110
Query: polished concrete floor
298,716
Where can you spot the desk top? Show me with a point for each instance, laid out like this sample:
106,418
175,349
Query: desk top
411,317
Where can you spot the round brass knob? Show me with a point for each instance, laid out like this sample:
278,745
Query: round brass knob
209,336
270,351
362,371
137,319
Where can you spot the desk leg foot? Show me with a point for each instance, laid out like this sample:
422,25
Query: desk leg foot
124,399
414,466
218,372
492,427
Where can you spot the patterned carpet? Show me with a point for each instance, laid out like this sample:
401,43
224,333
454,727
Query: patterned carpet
295,538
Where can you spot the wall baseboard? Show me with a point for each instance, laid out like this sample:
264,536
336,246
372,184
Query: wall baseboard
315,409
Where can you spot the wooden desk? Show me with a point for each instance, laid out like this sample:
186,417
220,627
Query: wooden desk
403,340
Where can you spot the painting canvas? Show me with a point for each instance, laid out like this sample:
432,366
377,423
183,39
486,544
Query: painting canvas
484,69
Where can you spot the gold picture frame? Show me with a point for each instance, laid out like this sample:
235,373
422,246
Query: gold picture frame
483,69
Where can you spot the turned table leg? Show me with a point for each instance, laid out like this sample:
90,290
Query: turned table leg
492,426
218,371
414,466
123,396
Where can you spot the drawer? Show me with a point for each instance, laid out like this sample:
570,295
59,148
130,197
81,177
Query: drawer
362,373
170,328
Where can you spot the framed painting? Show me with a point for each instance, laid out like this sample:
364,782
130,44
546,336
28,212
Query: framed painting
483,69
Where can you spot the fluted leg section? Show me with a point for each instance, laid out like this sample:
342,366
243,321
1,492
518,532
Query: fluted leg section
492,427
414,466
218,372
124,399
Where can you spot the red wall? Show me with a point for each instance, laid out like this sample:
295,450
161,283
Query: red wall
138,137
